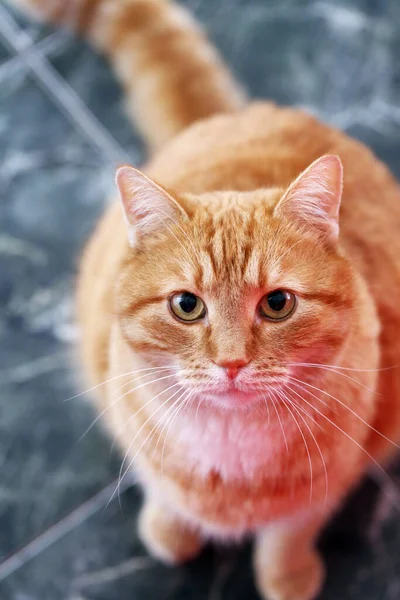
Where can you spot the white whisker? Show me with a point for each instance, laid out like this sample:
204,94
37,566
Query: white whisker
319,365
305,412
304,440
347,435
149,417
333,370
171,420
267,407
122,429
166,417
122,477
294,379
303,388
198,406
294,406
273,399
133,415
119,398
95,387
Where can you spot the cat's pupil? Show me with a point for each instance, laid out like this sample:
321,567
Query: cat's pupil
277,301
188,302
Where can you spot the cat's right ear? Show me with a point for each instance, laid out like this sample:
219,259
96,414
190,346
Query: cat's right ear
147,207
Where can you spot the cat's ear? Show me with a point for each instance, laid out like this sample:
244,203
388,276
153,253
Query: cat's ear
147,207
313,199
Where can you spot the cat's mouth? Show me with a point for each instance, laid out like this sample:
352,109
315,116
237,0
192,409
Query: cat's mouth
229,400
234,394
245,387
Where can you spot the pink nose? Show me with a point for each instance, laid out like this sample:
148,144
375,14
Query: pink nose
232,366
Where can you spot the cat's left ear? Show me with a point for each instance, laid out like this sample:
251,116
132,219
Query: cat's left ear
313,199
147,207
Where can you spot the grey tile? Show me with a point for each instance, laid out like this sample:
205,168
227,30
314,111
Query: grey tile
36,30
5,55
53,187
338,60
47,470
32,57
78,65
90,76
102,559
53,184
103,540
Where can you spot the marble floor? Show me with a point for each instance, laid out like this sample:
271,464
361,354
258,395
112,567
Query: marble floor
62,130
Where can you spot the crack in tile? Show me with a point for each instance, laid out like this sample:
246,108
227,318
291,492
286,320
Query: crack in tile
59,90
47,46
59,530
13,246
35,368
128,567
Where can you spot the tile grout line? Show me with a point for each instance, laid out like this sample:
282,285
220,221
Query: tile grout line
75,110
46,46
59,530
59,90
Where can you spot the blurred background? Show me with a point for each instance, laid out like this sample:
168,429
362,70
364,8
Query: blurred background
62,130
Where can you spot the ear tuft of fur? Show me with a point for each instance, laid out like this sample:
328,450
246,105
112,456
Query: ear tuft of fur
313,199
147,206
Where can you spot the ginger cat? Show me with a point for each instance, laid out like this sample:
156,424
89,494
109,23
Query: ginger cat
249,346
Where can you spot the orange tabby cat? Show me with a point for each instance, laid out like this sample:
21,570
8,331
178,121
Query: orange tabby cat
249,348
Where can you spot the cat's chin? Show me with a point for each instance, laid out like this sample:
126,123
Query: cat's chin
232,399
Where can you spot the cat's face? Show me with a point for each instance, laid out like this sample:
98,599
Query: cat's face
235,293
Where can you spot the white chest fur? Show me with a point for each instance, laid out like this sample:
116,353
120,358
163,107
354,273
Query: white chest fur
236,445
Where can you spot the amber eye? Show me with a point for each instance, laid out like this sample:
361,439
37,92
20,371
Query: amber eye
277,305
187,307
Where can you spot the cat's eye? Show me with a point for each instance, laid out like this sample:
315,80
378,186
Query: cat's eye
187,307
277,305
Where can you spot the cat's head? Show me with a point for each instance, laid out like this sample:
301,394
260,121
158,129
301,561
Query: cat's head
235,289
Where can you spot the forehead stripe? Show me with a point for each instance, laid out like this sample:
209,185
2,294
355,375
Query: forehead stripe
139,304
326,297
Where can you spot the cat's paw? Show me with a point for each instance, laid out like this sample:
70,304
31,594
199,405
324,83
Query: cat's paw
304,583
167,537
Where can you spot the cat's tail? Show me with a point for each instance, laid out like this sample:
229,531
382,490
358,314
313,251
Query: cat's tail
171,73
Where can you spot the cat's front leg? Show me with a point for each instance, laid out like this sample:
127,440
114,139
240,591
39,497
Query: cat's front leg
166,535
287,564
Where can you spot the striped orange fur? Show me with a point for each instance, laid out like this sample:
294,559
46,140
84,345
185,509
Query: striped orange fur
234,423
